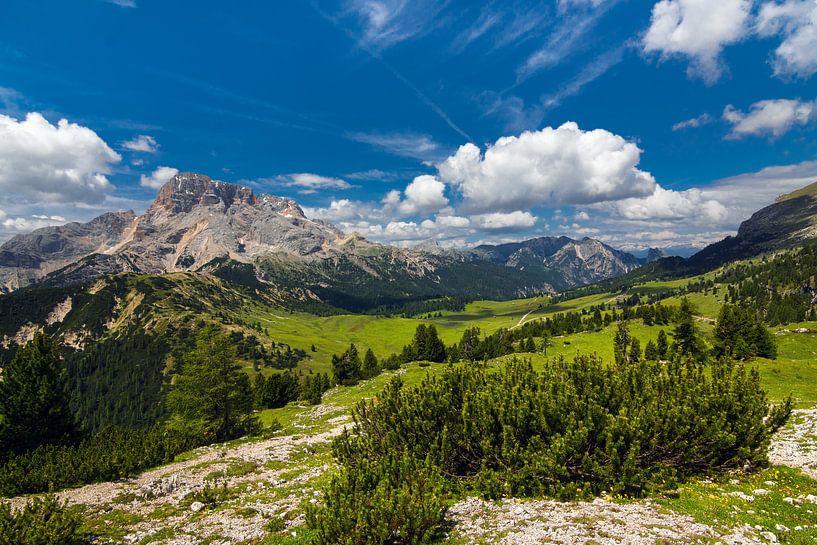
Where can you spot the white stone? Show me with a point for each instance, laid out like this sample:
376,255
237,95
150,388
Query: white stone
196,506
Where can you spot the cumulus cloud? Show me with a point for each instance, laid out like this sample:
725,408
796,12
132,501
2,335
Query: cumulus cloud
158,177
698,30
666,204
65,162
143,143
550,167
504,221
311,183
769,117
796,22
693,123
28,224
424,195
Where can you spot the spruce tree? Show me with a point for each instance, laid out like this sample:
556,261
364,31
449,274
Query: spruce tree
621,343
346,367
635,350
688,341
34,398
212,396
371,367
662,345
651,351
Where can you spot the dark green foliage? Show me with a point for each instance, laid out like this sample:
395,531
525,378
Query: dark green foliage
371,367
276,390
312,388
635,351
42,521
346,367
741,334
651,351
211,397
621,344
688,342
572,431
427,344
119,381
662,344
34,399
395,499
111,454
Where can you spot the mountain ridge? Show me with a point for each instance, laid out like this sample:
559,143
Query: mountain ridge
195,222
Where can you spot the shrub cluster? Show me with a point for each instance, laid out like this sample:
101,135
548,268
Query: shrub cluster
43,521
111,454
574,430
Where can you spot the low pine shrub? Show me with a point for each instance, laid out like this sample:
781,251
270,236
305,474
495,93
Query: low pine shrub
574,430
43,521
111,454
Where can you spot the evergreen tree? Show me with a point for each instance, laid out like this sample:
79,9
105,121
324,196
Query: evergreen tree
427,344
651,351
741,334
469,344
621,343
530,345
371,367
635,350
662,345
34,398
346,367
688,341
212,396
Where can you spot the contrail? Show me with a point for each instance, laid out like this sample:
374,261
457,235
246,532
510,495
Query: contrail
400,77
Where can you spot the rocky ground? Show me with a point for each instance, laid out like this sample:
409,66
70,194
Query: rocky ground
242,493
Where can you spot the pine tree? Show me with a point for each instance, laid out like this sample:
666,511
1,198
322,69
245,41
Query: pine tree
371,367
651,351
662,345
621,343
346,367
212,396
688,341
530,345
34,398
635,350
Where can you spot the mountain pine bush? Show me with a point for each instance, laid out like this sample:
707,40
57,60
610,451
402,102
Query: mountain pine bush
574,430
43,521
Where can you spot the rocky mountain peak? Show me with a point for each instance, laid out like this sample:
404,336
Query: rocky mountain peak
187,190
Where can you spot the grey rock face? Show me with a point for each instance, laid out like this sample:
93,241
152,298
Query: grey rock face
570,262
195,220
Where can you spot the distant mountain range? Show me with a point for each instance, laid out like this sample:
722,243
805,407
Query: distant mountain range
197,224
790,221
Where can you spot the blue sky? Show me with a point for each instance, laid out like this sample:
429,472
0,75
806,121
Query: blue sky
641,123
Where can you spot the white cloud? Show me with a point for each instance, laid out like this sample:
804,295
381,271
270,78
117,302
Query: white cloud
424,195
158,177
310,183
515,220
406,144
123,3
65,162
693,123
581,215
796,21
666,204
699,30
769,117
550,167
143,143
28,224
385,23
